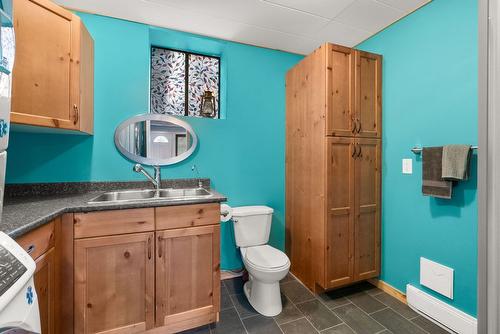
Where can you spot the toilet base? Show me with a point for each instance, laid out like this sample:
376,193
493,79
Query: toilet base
265,298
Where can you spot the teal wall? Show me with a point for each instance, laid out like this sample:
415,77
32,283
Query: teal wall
243,154
429,98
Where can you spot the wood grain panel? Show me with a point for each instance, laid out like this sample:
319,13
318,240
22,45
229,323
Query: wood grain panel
305,166
41,76
38,241
102,223
45,286
114,284
64,274
187,276
340,225
53,76
169,217
369,94
340,91
367,206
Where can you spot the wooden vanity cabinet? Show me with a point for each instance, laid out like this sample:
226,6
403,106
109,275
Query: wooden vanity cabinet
333,166
40,244
131,277
53,75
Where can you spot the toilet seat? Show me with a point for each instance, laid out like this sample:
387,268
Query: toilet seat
265,258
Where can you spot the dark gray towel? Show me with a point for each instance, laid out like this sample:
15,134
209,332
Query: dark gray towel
432,183
456,162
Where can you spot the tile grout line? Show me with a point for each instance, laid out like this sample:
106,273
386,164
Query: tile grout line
369,314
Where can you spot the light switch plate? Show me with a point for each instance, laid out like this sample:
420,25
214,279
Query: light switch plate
407,166
437,277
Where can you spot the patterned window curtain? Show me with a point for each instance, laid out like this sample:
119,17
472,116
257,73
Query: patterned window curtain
169,81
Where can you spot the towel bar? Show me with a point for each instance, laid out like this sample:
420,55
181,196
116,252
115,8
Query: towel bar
418,150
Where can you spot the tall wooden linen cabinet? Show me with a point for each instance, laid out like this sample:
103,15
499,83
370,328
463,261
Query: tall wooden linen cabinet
333,166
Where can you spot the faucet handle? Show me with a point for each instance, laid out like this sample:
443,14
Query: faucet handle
138,168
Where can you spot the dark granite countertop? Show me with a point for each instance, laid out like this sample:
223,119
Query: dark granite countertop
23,213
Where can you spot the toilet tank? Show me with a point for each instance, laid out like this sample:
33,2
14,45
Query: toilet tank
252,225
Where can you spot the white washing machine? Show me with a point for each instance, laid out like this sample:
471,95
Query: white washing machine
19,311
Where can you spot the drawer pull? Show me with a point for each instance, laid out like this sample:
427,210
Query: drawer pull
149,248
30,249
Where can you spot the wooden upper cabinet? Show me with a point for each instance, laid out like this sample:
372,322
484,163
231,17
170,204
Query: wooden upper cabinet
340,211
367,208
368,96
340,91
114,284
53,76
187,277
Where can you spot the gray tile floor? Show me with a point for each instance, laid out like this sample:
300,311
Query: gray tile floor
360,309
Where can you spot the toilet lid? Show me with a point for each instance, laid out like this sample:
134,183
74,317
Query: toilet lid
266,257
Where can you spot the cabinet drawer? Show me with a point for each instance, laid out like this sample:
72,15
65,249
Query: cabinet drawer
94,224
187,215
38,241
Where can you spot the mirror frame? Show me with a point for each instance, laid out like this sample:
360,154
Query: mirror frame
155,117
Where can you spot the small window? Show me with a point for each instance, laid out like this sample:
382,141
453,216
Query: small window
180,80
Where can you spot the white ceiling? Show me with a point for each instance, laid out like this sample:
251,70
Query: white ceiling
297,26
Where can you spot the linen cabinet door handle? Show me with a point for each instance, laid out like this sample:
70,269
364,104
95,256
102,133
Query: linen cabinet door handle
160,250
359,153
149,248
354,125
353,148
359,125
77,116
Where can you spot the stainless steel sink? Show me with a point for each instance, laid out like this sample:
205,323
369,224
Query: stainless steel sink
151,195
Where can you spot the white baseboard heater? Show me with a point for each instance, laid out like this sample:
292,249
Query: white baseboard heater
441,313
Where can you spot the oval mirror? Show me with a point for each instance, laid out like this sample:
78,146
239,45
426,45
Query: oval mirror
156,140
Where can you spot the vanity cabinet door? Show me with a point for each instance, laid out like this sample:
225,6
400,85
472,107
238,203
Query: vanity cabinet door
45,277
114,284
340,212
340,118
187,277
367,209
368,95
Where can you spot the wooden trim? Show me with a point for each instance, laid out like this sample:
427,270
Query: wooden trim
129,329
64,265
389,289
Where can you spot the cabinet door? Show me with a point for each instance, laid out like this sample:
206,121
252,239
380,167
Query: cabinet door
45,42
368,94
45,289
114,284
187,277
340,221
340,91
367,208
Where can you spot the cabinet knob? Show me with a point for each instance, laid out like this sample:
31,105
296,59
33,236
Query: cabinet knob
76,113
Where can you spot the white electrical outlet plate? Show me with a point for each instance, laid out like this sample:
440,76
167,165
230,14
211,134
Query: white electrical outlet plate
407,166
437,277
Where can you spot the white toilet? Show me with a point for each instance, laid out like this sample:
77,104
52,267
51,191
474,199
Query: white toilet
266,265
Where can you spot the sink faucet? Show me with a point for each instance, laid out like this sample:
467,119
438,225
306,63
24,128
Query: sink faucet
194,168
156,181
